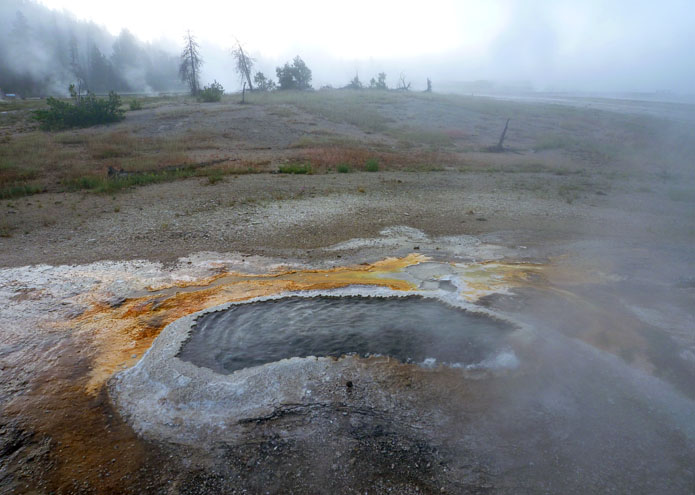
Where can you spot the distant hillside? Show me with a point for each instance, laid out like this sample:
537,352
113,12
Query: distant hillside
43,51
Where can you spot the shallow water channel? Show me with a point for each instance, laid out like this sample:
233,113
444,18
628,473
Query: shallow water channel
410,329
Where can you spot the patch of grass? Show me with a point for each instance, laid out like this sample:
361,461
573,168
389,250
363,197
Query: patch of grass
71,138
372,165
114,184
283,111
110,151
314,141
336,106
554,142
424,167
21,105
17,191
570,193
215,176
409,137
591,149
456,134
196,139
37,161
175,113
343,168
6,229
9,172
327,159
295,168
682,195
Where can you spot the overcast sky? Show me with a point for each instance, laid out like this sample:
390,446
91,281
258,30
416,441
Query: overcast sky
592,45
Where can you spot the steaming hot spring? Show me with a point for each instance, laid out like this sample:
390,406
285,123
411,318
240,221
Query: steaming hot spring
311,357
444,374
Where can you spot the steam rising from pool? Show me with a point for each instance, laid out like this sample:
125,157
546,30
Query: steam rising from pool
410,329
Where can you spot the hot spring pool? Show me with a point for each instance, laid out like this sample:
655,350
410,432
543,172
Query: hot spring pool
411,329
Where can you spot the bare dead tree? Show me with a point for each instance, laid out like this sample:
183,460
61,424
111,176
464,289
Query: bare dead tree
500,144
402,84
189,70
244,64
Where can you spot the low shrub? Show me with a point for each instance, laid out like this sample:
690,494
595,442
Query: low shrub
135,105
83,111
215,176
372,165
211,93
343,168
295,168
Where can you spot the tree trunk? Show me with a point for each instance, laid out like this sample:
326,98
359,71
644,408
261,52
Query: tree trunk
194,84
246,68
500,144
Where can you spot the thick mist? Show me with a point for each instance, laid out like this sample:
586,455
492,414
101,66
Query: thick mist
562,46
42,52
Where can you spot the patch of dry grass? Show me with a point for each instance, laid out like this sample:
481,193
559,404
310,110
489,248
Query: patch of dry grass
410,137
314,141
349,107
325,159
431,131
39,161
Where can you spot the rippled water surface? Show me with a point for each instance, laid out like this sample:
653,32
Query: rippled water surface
411,329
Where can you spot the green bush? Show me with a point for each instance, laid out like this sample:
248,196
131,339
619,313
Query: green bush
84,111
372,165
295,168
135,104
211,93
343,168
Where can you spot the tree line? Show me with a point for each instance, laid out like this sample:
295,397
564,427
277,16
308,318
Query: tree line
42,52
292,75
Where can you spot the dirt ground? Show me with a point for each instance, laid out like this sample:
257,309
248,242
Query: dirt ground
581,188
